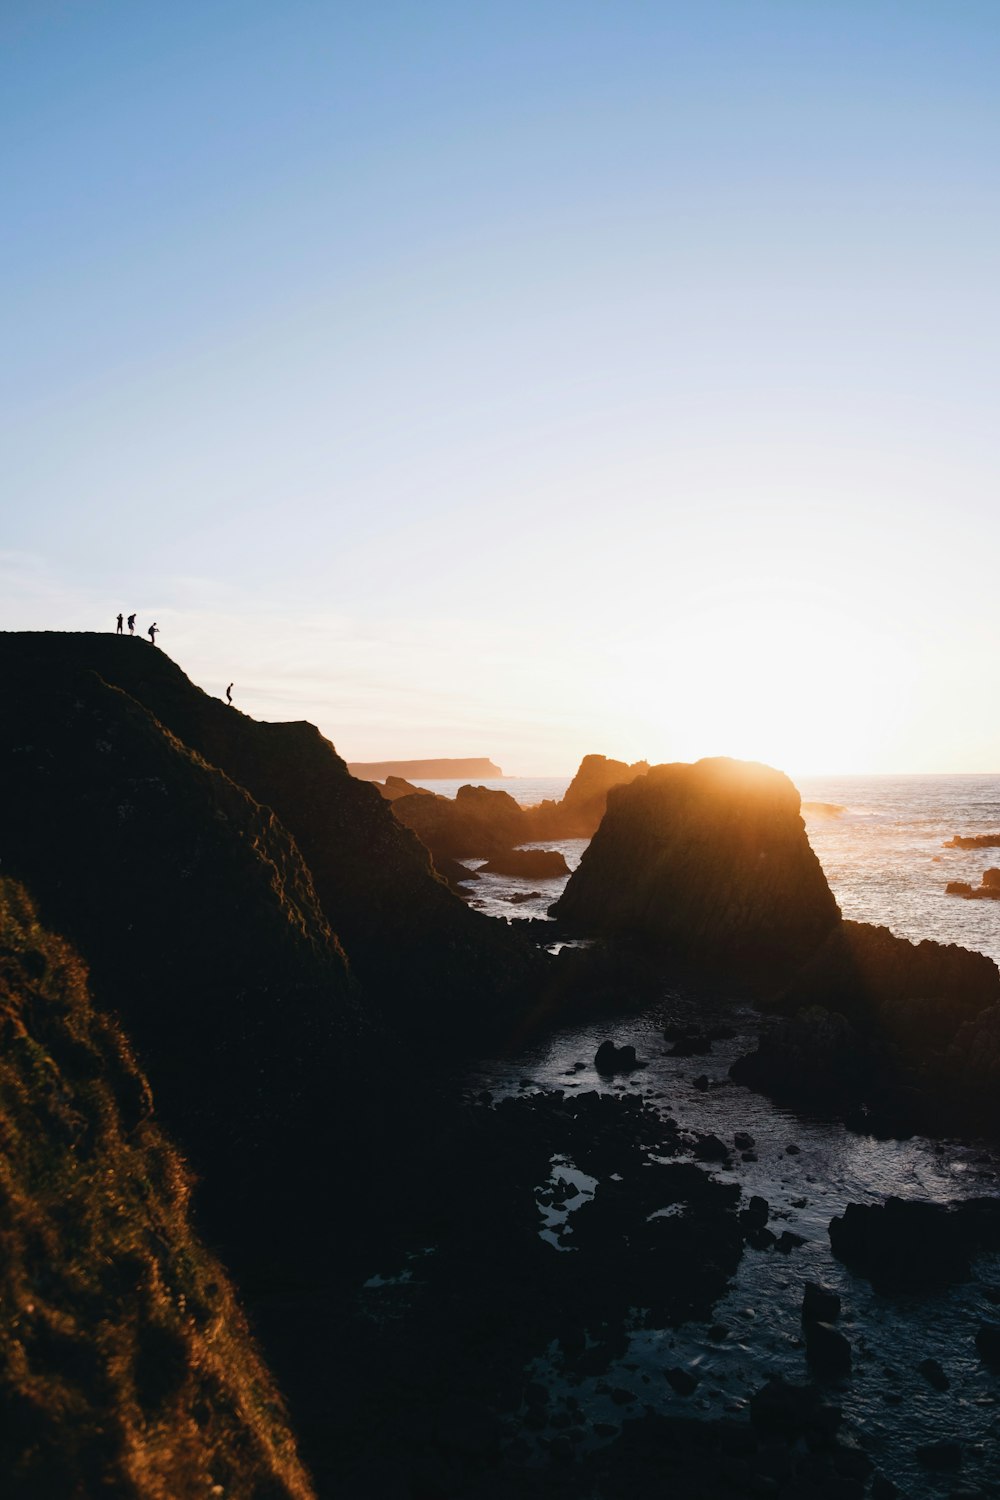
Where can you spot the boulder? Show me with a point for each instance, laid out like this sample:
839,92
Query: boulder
812,1057
905,1245
820,1304
827,1350
706,862
532,864
988,1343
611,1059
973,841
987,890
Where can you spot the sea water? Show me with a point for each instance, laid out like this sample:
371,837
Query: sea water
884,859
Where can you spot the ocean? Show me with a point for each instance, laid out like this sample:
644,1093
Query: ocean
882,854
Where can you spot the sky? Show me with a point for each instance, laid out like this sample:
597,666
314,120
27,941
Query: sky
517,379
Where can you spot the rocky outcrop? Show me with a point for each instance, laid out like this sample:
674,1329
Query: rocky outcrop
532,864
987,890
426,770
579,813
910,1031
905,1245
435,968
973,841
395,786
707,861
126,1365
477,821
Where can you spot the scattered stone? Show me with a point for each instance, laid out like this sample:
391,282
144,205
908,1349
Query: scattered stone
611,1059
792,1150
700,1083
988,1343
820,1304
827,1350
710,1148
934,1374
744,1141
788,1241
683,1381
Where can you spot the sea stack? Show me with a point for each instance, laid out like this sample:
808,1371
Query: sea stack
707,861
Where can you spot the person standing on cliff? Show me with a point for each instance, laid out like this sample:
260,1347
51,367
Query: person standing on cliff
229,695
131,624
152,632
119,631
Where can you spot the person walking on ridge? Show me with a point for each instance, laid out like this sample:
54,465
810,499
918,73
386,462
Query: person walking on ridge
119,631
229,695
152,632
131,624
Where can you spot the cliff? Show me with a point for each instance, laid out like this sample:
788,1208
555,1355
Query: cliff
707,861
426,770
436,969
126,1365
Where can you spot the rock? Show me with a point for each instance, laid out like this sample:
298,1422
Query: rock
878,1240
706,861
827,1350
396,786
683,1381
756,1213
611,1059
820,1304
478,821
743,1141
939,1456
813,1056
788,1241
710,1148
579,813
693,1044
974,841
700,1083
934,1374
987,890
532,864
988,1343
792,1150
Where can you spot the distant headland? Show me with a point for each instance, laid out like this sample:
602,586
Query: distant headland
425,770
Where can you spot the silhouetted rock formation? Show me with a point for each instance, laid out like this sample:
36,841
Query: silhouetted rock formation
987,890
907,1246
706,861
395,786
912,1030
973,841
579,813
477,821
426,770
436,968
533,864
127,1366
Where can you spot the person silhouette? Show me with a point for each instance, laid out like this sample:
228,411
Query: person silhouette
119,631
152,632
229,695
131,624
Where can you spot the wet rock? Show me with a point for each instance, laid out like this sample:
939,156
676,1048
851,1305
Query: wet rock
934,1374
827,1350
820,1304
988,1343
879,1240
682,1381
710,1148
611,1059
788,1241
940,1456
700,1083
744,1141
532,864
756,1213
792,1150
694,1044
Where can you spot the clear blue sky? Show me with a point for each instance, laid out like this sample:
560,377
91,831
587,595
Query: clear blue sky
518,379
